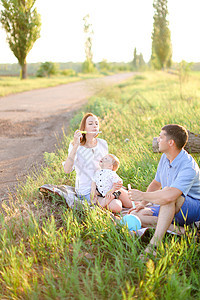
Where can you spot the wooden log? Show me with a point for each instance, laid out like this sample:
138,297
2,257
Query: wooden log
192,146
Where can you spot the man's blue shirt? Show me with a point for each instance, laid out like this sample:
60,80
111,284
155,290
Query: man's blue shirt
183,173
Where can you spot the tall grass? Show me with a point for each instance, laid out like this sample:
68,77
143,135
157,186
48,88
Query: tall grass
50,252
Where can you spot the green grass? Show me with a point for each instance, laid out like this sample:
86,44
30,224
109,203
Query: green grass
12,85
50,252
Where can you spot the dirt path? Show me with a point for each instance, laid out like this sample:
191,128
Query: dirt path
31,122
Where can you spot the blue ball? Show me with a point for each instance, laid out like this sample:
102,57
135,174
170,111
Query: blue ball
133,222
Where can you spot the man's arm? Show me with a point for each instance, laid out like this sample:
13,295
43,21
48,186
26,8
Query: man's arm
160,197
154,186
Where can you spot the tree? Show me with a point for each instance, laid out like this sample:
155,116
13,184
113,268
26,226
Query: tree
141,61
47,69
88,65
135,60
22,24
138,61
161,36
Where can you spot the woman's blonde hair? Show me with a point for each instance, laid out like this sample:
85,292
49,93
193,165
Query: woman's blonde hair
115,162
82,126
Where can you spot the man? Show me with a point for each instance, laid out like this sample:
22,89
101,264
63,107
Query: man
179,177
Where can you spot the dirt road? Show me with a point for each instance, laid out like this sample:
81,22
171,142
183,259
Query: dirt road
30,123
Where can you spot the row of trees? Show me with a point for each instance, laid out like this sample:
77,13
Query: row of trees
89,67
22,23
161,56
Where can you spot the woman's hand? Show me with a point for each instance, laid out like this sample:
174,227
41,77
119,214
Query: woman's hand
117,185
109,197
77,137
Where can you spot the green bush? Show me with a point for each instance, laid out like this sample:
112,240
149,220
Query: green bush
47,69
104,66
88,67
68,72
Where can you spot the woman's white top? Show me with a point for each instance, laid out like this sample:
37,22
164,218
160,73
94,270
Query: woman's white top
86,163
104,180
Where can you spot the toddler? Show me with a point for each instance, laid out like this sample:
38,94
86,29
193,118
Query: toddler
102,186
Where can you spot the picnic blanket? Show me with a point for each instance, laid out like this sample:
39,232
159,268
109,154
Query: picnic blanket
68,193
64,191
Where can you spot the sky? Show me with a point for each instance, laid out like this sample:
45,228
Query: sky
119,26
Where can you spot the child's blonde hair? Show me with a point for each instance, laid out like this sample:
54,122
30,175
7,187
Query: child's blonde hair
115,162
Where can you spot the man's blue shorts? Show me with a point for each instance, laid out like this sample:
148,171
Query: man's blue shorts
188,214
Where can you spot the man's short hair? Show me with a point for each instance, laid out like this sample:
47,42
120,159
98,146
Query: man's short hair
177,133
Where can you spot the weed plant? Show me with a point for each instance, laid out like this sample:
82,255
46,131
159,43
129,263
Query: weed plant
50,252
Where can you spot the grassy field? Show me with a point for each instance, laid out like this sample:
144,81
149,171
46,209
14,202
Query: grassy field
12,85
50,252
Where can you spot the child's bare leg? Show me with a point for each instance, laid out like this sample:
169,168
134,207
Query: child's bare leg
114,205
104,202
126,202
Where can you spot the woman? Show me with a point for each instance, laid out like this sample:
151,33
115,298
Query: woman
84,154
